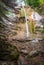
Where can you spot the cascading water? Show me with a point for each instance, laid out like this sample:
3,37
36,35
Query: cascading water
27,30
22,3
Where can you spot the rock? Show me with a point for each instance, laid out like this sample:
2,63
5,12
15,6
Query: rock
41,52
35,41
37,16
41,40
24,51
33,53
8,52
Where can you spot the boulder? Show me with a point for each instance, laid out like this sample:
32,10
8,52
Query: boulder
33,53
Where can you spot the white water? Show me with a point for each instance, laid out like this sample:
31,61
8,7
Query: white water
22,3
27,30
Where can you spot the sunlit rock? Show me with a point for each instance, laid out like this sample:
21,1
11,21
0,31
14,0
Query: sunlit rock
36,16
11,15
24,51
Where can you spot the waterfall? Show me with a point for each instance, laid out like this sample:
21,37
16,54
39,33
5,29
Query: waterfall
22,3
27,30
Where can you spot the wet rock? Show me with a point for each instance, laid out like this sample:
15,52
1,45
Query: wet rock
35,41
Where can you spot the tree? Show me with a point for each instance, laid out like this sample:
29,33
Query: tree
32,3
38,5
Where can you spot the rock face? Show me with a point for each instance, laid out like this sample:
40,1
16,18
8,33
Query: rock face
33,53
36,16
8,52
30,53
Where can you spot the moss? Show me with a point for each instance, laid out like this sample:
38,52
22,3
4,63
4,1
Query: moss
40,63
42,31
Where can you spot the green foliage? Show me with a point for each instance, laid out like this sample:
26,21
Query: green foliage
33,28
42,30
41,1
40,63
38,5
33,3
22,12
